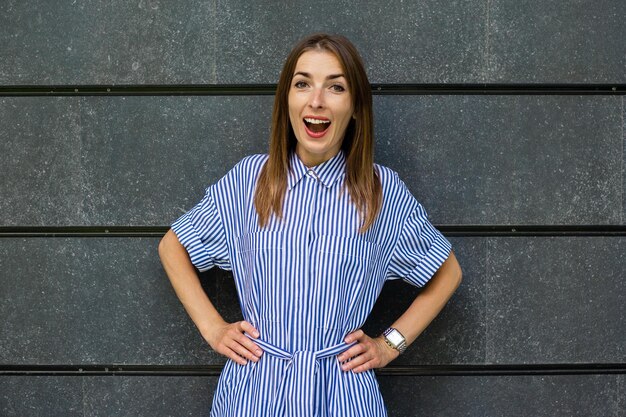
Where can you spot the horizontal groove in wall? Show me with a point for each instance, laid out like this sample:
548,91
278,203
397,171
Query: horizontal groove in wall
532,230
433,370
83,231
448,230
269,89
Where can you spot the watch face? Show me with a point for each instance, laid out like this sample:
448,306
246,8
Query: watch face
395,338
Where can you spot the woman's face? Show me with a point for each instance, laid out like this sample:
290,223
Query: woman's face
320,106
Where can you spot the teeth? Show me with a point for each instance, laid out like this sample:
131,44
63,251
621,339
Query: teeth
315,121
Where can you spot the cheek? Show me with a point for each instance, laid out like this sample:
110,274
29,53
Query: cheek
293,117
294,109
346,116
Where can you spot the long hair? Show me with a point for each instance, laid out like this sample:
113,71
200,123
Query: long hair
362,181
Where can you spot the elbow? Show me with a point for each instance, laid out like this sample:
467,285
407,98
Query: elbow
164,244
455,272
458,276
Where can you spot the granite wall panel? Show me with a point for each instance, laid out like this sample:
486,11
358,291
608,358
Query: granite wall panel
130,396
41,176
409,42
507,159
468,159
624,158
578,41
118,396
559,299
511,396
457,334
150,159
120,160
107,42
107,301
91,301
111,396
41,396
471,160
156,42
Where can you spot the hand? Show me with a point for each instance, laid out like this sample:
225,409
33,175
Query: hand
367,354
229,340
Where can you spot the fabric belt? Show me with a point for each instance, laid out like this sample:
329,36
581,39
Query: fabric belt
295,394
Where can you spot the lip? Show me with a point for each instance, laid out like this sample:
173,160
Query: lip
312,134
315,117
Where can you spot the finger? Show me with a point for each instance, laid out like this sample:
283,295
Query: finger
234,335
249,345
355,350
364,362
354,336
249,328
364,367
355,362
243,351
235,357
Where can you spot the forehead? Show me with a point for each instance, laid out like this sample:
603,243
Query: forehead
319,62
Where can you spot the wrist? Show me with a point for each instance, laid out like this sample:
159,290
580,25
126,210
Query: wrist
393,353
395,340
208,330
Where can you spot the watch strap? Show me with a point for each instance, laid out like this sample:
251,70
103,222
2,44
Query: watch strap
400,347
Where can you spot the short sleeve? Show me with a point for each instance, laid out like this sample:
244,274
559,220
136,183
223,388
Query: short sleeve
201,232
420,250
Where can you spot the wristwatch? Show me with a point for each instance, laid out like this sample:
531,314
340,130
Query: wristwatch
395,340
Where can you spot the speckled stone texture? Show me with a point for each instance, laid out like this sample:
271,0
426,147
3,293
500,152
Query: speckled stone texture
507,159
456,336
579,41
149,396
407,42
511,396
112,42
468,159
93,301
41,180
471,160
559,299
624,157
118,396
107,301
120,160
41,396
442,396
157,42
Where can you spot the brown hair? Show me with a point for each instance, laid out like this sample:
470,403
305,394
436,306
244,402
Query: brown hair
362,181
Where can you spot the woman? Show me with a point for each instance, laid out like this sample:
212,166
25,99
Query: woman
311,233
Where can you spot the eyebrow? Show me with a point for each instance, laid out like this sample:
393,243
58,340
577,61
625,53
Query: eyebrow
330,77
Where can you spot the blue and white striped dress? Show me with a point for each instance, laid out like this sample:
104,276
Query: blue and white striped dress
306,281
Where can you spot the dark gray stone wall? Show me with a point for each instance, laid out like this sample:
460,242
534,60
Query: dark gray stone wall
130,396
107,301
509,159
90,325
158,42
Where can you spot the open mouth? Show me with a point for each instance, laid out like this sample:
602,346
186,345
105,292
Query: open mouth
316,125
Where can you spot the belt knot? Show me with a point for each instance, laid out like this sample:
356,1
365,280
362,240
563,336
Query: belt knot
295,395
303,360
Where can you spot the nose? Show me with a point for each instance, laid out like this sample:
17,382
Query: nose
317,98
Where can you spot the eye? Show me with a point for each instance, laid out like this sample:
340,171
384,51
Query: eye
337,88
300,84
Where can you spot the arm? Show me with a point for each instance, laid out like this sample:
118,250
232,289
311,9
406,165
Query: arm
225,338
374,352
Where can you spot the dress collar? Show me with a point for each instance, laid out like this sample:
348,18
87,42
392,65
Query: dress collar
327,172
